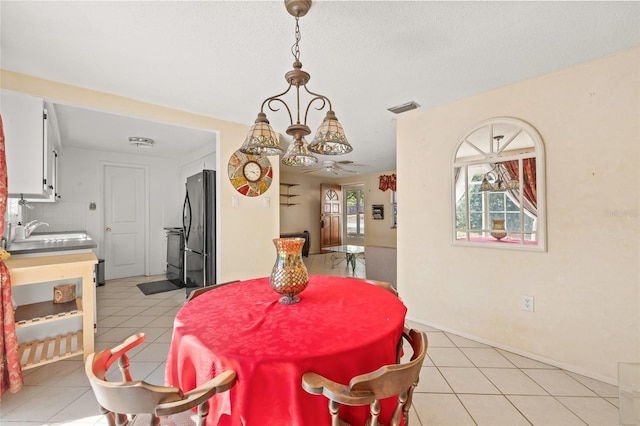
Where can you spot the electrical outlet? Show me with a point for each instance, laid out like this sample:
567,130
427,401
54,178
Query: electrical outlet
526,303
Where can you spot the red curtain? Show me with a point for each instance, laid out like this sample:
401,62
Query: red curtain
529,187
10,367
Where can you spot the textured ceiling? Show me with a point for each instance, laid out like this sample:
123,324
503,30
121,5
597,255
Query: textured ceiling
223,58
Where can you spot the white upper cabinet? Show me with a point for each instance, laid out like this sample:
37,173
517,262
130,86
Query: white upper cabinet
27,150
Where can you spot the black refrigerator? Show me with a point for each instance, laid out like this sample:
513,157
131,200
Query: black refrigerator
199,227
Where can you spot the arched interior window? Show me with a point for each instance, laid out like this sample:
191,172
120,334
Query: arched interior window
498,186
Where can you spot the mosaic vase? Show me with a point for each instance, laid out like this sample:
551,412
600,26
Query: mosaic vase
289,276
497,230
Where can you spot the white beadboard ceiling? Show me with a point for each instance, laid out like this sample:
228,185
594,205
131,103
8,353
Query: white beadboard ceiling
223,58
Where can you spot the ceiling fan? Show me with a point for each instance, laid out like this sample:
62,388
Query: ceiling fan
331,166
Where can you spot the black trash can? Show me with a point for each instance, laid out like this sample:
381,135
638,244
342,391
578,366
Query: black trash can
100,273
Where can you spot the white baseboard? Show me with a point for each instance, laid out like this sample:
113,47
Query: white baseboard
555,363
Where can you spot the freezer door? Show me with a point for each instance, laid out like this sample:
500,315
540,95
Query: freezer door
175,257
194,269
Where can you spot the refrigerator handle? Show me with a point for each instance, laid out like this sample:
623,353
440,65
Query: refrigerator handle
186,226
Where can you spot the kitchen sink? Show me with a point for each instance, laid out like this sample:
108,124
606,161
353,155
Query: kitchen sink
56,237
52,243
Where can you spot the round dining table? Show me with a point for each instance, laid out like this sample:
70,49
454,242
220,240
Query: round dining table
342,327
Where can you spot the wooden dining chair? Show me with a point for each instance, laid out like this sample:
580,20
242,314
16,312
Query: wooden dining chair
382,284
130,402
200,290
368,389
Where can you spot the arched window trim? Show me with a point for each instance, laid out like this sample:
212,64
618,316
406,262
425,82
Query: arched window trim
485,158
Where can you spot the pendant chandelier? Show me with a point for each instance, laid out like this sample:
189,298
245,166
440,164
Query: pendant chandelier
329,138
498,179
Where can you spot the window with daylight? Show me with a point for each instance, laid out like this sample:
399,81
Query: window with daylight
354,211
498,186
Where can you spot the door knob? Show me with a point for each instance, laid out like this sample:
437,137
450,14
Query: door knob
107,229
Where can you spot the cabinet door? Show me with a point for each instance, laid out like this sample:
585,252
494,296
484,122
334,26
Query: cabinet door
24,131
51,194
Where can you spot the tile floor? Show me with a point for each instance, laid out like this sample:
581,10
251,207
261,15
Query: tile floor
462,382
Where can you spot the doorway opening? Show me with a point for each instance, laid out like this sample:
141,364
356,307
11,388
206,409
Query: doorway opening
354,200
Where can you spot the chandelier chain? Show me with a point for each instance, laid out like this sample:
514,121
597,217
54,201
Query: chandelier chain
295,49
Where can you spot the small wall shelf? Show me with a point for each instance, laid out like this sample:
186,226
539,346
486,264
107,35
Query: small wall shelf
286,199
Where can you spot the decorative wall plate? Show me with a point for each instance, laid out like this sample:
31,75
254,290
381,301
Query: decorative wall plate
250,175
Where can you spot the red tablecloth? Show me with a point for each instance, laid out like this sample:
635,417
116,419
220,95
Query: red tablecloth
342,327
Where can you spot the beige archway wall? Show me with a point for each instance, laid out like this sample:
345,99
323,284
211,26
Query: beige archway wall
251,221
586,287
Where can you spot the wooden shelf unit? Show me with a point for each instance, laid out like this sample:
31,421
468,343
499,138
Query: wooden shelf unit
44,269
288,196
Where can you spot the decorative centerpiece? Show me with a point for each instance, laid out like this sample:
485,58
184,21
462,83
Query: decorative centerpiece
498,231
289,276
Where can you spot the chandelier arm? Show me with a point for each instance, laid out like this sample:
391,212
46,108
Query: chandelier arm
276,98
318,95
321,107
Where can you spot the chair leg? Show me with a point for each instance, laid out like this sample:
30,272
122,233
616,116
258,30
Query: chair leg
111,417
121,419
203,411
375,412
334,407
408,403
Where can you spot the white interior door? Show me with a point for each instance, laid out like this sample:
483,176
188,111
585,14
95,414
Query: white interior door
124,221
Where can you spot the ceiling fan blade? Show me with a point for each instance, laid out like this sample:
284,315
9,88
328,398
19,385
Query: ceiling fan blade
342,169
311,171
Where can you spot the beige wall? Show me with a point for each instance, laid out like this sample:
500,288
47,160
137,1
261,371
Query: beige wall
306,215
245,247
587,285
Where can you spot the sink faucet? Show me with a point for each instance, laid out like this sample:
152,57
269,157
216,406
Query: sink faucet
31,226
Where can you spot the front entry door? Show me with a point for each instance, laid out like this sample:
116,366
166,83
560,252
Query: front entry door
124,221
331,215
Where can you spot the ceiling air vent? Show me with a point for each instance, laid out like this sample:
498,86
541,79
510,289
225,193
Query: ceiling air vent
141,142
403,108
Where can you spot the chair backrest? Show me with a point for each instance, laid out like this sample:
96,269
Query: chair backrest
383,284
138,397
393,379
368,389
198,291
